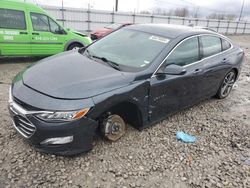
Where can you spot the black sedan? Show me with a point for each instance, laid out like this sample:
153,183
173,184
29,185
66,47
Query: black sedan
139,74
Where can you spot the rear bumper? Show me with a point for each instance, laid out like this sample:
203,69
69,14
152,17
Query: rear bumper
82,131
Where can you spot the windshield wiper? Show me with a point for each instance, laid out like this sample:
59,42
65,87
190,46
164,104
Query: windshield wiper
110,63
87,53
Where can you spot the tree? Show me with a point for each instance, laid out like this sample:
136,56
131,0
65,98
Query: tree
181,12
221,16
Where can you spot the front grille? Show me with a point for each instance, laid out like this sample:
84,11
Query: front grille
24,126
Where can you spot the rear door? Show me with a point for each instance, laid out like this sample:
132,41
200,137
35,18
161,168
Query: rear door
216,62
14,35
47,36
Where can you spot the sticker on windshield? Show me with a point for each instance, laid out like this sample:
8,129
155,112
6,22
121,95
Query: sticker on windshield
159,39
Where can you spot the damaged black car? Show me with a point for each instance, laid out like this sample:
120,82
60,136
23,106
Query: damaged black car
137,75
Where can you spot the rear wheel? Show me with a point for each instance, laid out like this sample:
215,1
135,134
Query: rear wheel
227,85
74,46
113,127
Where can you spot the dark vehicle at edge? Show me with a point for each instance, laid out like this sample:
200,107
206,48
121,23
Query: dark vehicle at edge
139,74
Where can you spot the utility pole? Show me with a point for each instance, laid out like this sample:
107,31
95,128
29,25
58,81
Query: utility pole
241,9
116,5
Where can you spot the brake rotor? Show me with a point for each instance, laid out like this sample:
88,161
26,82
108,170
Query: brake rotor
114,127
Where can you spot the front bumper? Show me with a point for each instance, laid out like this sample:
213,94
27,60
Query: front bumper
36,131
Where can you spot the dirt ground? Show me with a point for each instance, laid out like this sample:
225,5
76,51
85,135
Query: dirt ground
151,158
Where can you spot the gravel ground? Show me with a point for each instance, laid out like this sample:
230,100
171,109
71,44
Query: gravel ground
150,158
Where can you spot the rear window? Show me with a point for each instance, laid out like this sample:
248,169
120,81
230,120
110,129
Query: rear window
211,45
225,44
12,19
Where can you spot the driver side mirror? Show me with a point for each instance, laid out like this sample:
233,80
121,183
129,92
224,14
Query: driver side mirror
173,69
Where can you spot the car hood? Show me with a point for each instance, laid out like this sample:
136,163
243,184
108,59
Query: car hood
102,31
79,33
70,75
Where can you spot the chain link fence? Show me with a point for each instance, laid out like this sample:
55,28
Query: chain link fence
86,20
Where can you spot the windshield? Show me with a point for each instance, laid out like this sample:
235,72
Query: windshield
134,50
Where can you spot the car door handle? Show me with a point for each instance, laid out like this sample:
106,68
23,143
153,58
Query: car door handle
197,71
23,33
35,33
225,60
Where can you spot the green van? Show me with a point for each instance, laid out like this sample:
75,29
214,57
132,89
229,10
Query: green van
27,30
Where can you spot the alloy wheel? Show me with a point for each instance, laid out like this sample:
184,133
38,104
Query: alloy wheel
227,84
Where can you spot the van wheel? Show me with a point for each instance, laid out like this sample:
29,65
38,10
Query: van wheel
74,46
113,127
226,85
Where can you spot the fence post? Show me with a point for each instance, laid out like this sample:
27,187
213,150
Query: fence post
133,17
207,22
196,21
169,20
152,18
88,18
236,28
62,9
218,26
244,28
228,23
183,21
113,16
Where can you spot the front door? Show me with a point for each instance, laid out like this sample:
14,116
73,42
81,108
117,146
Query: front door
170,93
47,36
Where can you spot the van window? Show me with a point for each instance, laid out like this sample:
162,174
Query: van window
55,28
211,45
12,19
40,22
186,53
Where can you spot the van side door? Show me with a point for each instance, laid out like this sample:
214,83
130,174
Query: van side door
14,34
48,37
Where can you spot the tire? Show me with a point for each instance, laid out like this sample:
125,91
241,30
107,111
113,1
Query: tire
113,127
226,85
74,46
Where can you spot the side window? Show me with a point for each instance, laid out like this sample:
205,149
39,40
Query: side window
211,45
40,22
186,53
55,28
12,19
225,44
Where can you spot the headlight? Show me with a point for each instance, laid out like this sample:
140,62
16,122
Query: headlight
63,116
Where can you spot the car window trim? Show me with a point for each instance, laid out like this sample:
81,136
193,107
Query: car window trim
24,14
218,35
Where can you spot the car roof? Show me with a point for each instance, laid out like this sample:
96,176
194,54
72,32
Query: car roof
169,30
24,5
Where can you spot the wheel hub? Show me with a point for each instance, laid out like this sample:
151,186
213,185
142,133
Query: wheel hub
114,127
